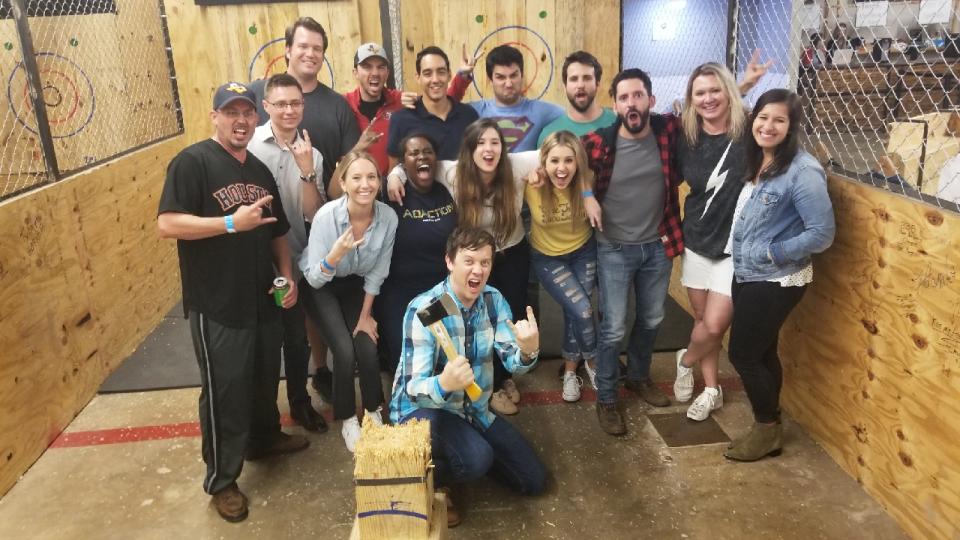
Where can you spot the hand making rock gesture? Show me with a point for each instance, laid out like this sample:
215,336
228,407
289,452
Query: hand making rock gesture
527,334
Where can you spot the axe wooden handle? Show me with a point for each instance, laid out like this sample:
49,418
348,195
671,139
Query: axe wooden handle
440,332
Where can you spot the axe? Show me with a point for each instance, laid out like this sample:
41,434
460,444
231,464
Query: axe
431,317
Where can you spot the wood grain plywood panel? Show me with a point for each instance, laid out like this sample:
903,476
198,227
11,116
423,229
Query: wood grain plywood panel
74,275
871,356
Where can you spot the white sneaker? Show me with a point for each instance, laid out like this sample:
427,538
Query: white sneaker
571,386
374,416
683,386
591,373
351,432
709,400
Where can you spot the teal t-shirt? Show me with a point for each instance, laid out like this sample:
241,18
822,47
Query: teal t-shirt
577,128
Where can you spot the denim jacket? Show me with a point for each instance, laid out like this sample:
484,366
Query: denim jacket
786,219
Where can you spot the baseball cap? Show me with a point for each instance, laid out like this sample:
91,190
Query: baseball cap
232,91
368,50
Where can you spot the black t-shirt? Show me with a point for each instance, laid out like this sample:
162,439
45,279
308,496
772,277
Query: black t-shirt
227,276
424,222
708,212
370,108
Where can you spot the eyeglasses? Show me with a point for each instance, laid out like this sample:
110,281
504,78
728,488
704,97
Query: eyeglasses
233,114
282,105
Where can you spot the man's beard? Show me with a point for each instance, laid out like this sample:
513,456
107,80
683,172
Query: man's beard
583,109
644,118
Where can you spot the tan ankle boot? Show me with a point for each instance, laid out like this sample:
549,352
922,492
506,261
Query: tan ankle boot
763,440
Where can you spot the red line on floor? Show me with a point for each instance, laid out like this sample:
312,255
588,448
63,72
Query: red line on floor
97,437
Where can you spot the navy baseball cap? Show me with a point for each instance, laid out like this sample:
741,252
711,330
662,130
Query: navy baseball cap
232,91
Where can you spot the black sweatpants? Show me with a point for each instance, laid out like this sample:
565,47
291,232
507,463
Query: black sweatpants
239,373
337,305
296,351
759,311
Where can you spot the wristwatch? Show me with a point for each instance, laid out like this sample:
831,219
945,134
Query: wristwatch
312,177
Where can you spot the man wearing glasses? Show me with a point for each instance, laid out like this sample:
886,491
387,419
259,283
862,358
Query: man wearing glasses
298,169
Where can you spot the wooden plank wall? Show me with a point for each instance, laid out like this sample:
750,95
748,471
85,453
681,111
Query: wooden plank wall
551,29
83,275
871,355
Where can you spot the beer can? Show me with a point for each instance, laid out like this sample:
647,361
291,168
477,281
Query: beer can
280,288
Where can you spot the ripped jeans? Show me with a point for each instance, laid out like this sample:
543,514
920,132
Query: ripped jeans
570,280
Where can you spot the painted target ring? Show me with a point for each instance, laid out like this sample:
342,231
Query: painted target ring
269,59
523,48
66,90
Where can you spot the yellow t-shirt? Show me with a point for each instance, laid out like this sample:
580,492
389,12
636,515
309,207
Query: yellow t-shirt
558,232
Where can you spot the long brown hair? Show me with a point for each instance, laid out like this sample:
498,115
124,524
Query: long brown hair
787,150
582,179
471,193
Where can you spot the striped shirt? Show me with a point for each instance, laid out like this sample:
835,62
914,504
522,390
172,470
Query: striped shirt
481,335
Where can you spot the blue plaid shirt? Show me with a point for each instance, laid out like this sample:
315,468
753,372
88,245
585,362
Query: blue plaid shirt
480,335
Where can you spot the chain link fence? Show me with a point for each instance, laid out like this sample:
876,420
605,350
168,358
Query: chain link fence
84,81
879,80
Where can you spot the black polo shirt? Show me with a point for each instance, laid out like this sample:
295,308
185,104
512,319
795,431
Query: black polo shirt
448,134
227,276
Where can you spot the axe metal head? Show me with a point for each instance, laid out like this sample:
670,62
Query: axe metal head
444,306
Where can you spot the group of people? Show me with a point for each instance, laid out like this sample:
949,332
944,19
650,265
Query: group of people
302,197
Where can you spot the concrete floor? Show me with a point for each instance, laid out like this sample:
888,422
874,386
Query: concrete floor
129,467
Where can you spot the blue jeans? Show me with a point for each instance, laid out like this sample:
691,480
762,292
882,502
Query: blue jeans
462,453
647,267
570,280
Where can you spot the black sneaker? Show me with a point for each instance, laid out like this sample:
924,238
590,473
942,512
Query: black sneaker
307,417
283,444
648,390
322,381
611,421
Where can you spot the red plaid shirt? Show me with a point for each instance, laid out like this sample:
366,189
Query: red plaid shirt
601,146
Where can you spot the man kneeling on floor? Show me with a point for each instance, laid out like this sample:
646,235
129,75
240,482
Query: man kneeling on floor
468,440
222,205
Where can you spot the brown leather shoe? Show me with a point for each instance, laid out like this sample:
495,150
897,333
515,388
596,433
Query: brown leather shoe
611,421
283,444
453,515
648,391
231,504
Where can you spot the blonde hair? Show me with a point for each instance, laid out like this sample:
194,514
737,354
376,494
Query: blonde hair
737,116
471,195
351,157
582,179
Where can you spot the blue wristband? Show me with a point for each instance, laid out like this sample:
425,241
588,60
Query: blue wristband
327,266
228,221
588,193
444,395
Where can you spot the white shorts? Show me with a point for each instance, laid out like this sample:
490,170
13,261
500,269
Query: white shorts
699,272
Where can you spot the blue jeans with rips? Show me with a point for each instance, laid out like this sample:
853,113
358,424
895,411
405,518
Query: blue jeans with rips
570,280
647,268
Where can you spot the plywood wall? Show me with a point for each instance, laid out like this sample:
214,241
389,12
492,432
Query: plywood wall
872,354
83,278
248,45
546,31
83,275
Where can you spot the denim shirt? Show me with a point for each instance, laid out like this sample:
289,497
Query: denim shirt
786,219
371,259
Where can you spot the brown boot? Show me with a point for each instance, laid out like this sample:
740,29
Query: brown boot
648,391
763,440
231,504
453,515
283,444
611,421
